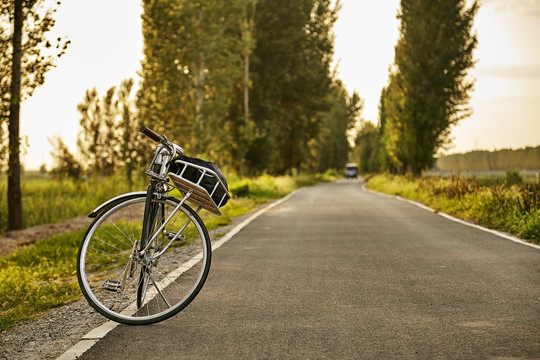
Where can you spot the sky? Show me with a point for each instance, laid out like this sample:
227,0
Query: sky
106,47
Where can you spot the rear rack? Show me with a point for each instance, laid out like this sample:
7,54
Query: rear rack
194,192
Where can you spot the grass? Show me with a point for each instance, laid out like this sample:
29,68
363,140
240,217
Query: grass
47,201
42,276
38,278
507,204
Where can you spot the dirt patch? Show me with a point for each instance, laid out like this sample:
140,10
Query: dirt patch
12,240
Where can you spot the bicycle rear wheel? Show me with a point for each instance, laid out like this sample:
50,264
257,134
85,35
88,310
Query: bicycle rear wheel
137,287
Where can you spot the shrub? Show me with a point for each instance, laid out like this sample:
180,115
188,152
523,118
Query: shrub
240,188
513,177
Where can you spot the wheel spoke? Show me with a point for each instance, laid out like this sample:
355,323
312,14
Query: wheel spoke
159,291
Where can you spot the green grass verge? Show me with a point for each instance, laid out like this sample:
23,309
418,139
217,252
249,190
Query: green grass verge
501,205
38,278
42,276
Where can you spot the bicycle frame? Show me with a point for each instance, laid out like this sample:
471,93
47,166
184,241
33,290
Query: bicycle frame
156,233
165,151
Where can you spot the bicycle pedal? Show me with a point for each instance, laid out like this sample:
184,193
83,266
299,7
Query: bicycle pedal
180,237
112,285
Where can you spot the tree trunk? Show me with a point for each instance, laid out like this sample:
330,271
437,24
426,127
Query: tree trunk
416,171
200,81
14,195
246,90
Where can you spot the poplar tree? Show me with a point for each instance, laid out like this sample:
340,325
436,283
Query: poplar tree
132,143
97,141
192,64
291,80
432,59
247,81
109,138
342,117
239,123
366,150
393,125
64,163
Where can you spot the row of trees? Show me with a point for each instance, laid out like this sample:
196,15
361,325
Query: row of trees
500,160
428,88
109,140
244,82
247,82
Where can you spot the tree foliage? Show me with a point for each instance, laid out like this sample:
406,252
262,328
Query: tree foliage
366,149
429,86
291,80
433,59
64,163
247,82
131,149
109,137
334,142
192,64
393,127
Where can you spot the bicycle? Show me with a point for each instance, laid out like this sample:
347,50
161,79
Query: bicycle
147,254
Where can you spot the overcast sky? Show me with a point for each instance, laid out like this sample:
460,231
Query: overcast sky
107,43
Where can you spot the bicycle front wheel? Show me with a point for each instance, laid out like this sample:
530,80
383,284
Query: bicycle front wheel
139,284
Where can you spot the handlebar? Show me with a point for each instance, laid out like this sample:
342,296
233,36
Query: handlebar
152,134
172,149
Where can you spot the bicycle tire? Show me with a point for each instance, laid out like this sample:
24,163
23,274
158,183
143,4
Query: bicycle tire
110,266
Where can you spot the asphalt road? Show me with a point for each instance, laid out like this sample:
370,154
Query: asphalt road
337,272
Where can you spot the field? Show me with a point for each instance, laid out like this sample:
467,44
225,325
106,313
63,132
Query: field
47,201
37,278
509,203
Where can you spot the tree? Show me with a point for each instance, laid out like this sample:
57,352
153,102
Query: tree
5,72
89,140
393,126
432,59
24,24
342,117
192,65
5,79
65,164
367,148
131,142
291,80
239,124
109,138
245,80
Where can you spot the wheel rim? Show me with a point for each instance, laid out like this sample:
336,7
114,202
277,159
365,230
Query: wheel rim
130,287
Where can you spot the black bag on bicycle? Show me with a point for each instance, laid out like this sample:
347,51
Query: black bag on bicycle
208,181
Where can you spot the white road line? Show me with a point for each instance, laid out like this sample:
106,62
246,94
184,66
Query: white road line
495,232
92,337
